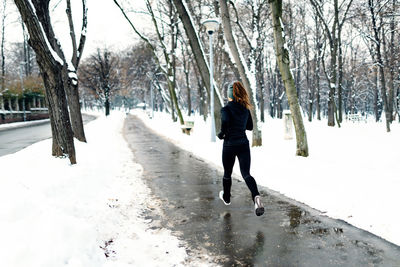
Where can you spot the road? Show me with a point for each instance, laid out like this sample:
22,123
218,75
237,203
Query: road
289,234
13,140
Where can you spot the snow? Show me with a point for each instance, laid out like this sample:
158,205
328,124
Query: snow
351,174
71,67
56,214
72,75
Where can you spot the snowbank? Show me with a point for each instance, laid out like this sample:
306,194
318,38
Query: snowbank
55,214
352,173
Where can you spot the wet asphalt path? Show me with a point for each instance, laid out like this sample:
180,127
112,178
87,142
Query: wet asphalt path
15,139
289,234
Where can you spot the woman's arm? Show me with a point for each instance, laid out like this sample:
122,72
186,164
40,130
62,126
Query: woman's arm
249,125
224,123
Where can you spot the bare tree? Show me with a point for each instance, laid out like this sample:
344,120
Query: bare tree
248,77
283,61
36,17
100,74
168,59
71,87
334,39
200,58
375,8
3,58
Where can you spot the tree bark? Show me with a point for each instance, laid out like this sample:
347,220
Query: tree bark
42,41
244,72
172,69
189,99
260,68
71,85
379,62
3,58
107,106
392,63
340,75
283,61
318,46
310,85
331,35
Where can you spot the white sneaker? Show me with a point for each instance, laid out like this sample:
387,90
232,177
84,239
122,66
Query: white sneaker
221,196
258,206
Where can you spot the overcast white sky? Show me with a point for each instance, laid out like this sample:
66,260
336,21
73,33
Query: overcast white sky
106,25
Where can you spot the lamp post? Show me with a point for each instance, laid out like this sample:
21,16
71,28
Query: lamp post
21,65
211,26
151,76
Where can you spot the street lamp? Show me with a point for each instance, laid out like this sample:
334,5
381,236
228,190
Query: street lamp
211,26
21,65
151,76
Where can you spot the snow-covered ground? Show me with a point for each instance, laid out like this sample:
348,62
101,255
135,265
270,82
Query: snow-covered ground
55,214
352,173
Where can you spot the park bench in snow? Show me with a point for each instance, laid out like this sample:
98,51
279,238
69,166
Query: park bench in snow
354,117
187,127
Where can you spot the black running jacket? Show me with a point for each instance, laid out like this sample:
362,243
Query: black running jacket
235,120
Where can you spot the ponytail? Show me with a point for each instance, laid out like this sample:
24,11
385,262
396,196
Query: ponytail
240,94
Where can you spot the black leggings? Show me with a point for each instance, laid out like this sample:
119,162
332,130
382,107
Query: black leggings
229,153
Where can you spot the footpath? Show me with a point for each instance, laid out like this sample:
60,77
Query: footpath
288,234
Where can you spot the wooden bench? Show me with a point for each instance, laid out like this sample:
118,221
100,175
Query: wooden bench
354,117
187,127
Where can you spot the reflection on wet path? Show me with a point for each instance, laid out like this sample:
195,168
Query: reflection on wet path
287,235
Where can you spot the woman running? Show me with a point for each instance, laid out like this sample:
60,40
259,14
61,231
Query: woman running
236,119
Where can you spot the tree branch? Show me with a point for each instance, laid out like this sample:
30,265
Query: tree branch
240,25
82,39
321,17
144,38
72,33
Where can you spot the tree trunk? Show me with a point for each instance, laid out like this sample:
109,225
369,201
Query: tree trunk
186,71
340,75
63,142
377,105
379,62
243,70
107,106
3,58
260,75
283,61
72,92
392,63
189,100
317,85
310,85
71,85
51,67
172,70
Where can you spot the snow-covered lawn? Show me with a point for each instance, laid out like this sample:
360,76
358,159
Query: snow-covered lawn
55,214
352,173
